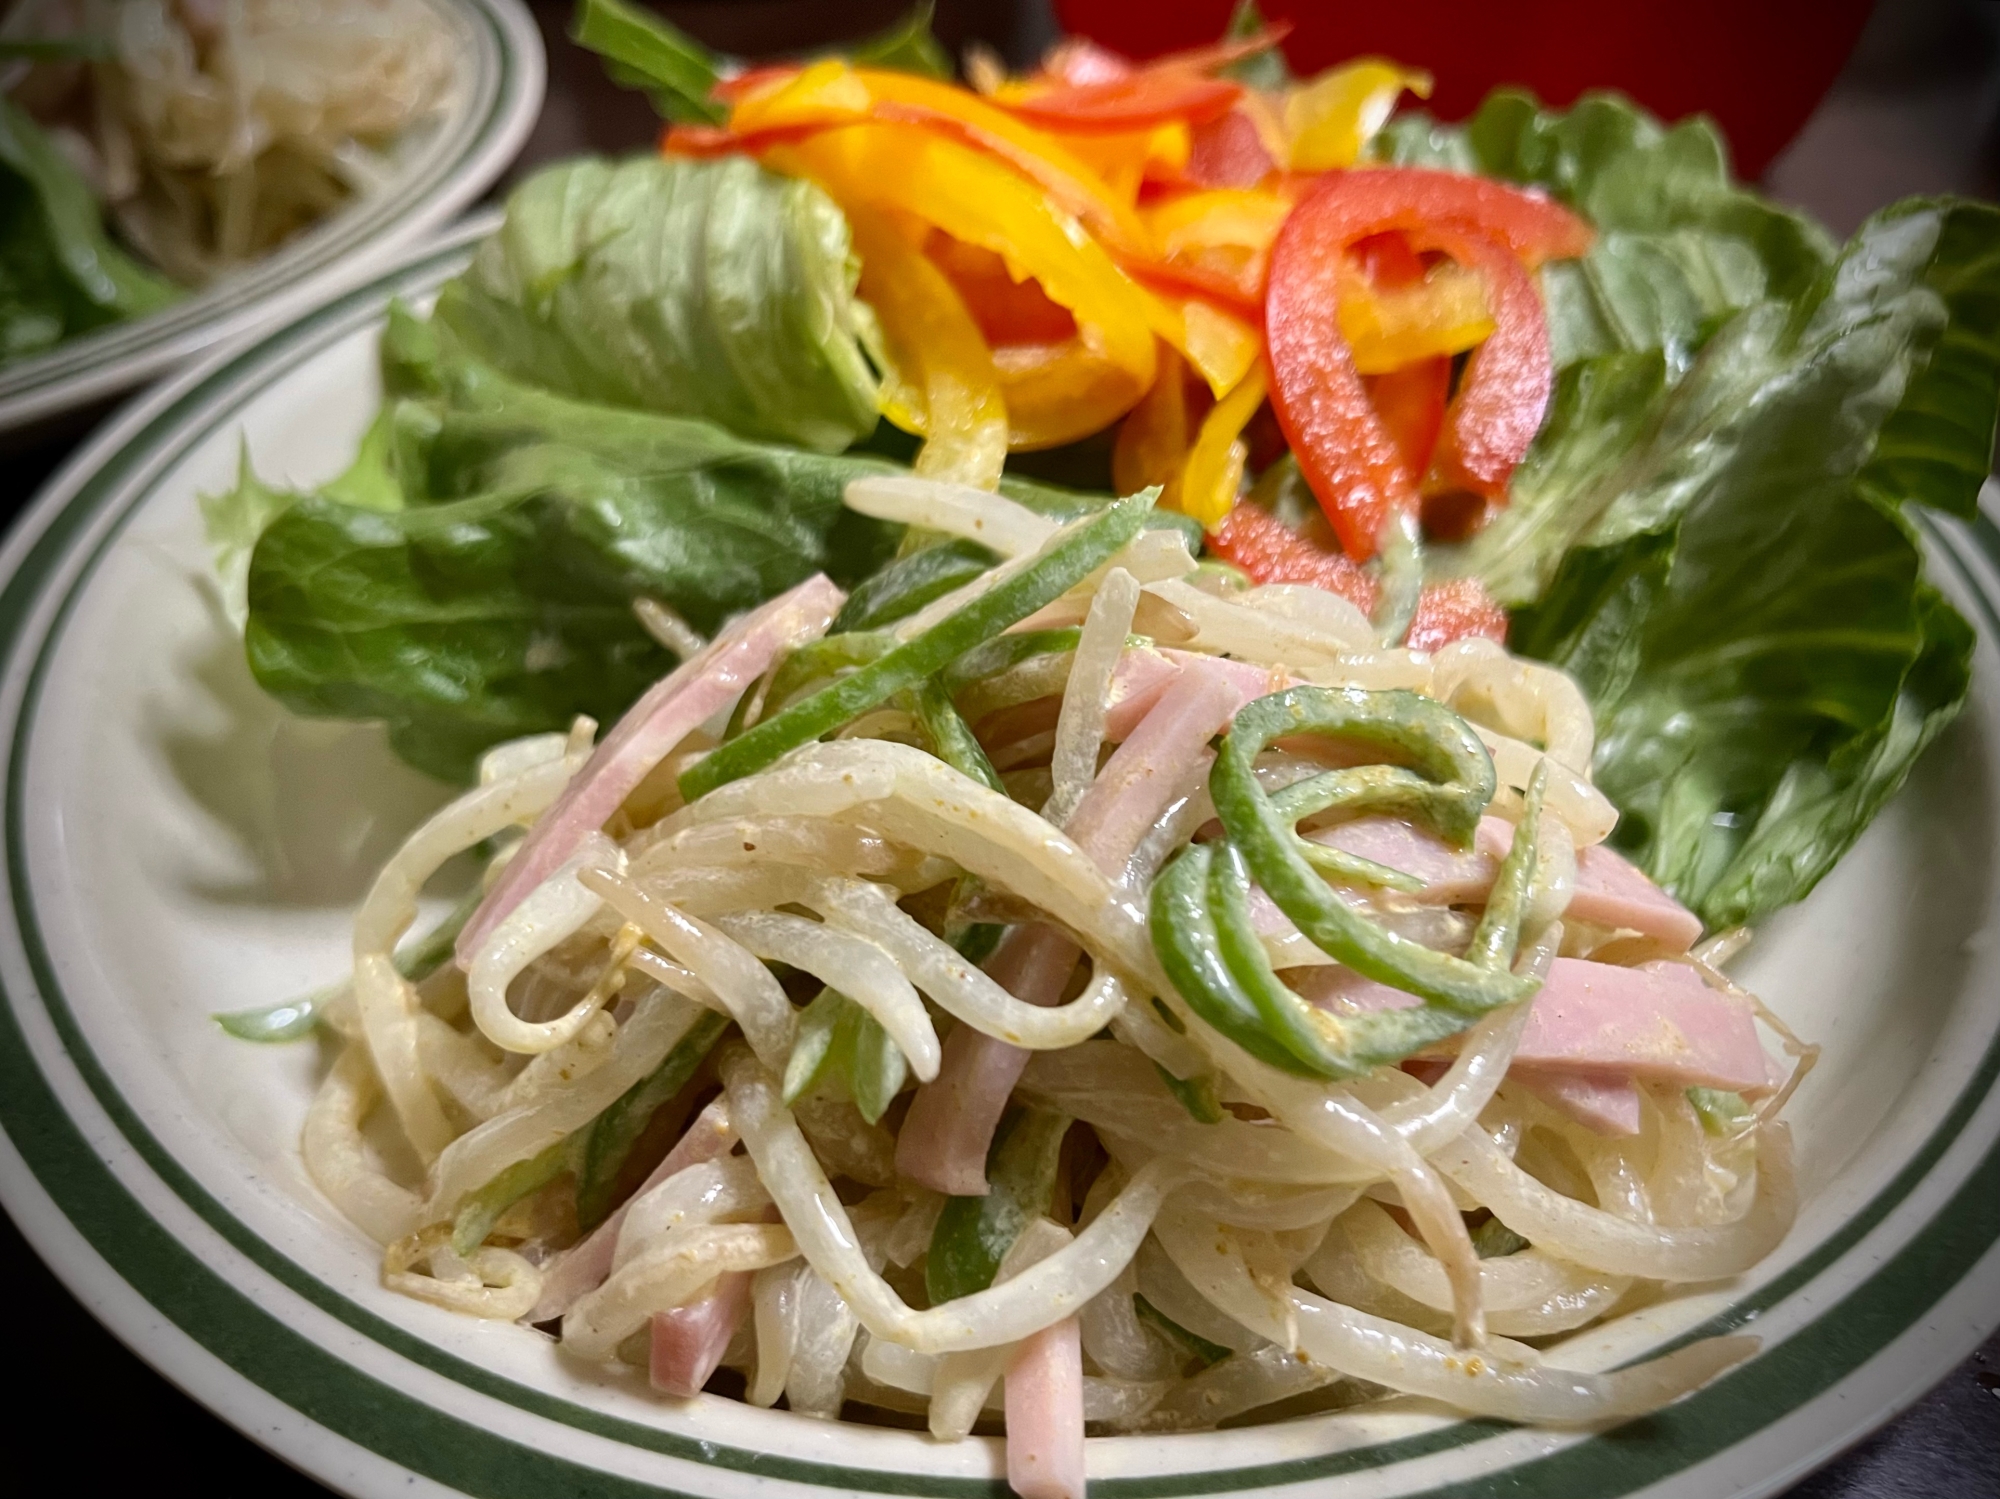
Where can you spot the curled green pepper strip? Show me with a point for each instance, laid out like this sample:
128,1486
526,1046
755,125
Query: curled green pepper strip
1189,949
1498,936
1068,562
1320,1043
909,583
1352,869
1439,745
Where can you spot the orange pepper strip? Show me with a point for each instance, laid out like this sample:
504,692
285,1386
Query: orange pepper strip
1061,393
1330,118
941,383
1214,470
907,169
1152,444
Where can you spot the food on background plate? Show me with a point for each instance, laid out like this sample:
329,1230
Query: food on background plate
1242,947
149,146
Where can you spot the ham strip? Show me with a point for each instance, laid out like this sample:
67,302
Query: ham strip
1655,1023
1044,1400
587,1264
951,1121
1610,892
1608,1105
690,1340
670,710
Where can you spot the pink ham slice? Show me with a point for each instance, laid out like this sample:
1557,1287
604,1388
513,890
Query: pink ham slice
1044,1400
1139,681
951,1120
690,1340
1608,1105
1451,876
584,1268
1655,1023
671,708
1610,892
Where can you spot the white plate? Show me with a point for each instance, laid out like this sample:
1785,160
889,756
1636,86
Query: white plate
175,845
440,167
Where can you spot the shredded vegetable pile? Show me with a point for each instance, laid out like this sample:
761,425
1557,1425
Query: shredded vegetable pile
208,131
1139,1000
1033,961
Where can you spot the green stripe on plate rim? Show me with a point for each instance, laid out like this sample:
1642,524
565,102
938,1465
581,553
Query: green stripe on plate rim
403,1429
317,250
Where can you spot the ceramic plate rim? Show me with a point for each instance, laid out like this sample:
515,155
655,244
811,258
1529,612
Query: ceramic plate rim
57,1180
477,143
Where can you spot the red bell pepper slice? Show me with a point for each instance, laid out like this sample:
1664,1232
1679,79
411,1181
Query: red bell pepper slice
1410,401
1456,609
1228,152
1504,392
1411,404
1272,552
1343,447
1078,60
1156,96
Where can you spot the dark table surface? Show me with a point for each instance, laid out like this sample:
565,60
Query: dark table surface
1917,110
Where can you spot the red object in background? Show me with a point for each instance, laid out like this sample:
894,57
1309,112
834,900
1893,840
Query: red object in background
1758,66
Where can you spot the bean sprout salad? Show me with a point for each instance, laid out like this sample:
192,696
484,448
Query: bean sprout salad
1105,997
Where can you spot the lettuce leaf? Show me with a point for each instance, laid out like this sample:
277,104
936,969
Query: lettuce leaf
471,578
708,289
1710,530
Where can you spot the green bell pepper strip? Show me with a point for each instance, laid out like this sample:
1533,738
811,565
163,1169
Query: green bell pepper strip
812,1047
1494,1240
812,662
1072,559
1003,652
297,1017
1721,1113
615,1131
950,736
837,1038
1321,1043
1189,949
1497,938
907,584
1352,869
482,1208
1192,1345
1195,1094
973,1234
1441,746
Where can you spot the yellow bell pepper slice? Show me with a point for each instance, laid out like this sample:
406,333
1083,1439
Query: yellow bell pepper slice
824,93
1330,118
1061,393
1127,159
912,170
1037,154
1387,328
1214,470
1152,445
941,383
